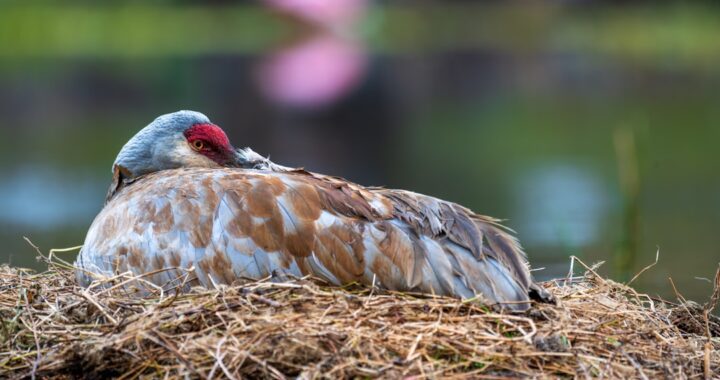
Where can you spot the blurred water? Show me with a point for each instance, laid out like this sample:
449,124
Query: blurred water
558,205
517,122
25,192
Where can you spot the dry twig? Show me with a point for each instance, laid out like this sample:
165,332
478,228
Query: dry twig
302,328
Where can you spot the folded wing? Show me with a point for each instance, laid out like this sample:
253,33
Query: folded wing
232,224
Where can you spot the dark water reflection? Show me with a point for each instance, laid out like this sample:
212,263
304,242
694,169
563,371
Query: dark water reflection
526,137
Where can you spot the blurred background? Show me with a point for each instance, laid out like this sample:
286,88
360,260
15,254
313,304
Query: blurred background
591,127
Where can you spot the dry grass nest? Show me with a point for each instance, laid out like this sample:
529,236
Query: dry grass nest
51,328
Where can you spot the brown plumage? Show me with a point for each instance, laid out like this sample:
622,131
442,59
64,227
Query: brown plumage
227,224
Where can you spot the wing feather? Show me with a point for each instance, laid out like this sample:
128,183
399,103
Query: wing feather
229,224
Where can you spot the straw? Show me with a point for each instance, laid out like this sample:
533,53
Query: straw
52,328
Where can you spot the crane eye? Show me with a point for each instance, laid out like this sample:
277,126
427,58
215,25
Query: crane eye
198,145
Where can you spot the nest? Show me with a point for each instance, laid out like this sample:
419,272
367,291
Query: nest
50,327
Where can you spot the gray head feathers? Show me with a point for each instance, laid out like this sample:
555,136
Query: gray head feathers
161,145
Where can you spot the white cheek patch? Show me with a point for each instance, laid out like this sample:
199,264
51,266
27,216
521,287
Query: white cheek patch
187,157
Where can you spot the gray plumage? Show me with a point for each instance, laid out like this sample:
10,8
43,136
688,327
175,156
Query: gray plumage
154,147
239,215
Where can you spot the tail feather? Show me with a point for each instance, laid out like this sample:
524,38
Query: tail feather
486,277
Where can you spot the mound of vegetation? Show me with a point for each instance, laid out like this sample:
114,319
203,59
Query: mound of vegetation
50,327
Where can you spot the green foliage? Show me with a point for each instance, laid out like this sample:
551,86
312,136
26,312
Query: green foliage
672,36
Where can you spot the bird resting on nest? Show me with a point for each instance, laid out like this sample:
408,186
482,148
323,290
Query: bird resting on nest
186,208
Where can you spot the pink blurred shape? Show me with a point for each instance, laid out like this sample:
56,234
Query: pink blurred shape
314,72
323,12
